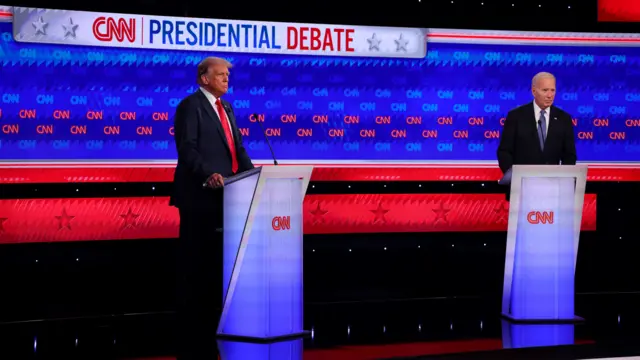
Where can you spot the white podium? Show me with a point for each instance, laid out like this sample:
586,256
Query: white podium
545,215
262,255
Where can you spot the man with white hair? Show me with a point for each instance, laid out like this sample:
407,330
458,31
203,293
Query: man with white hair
210,148
538,133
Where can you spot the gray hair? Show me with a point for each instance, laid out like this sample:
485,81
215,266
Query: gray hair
541,75
206,63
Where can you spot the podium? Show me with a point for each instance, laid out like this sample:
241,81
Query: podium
282,350
545,215
262,254
518,336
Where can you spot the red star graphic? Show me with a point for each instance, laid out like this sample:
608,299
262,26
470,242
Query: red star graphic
2,220
318,213
441,214
379,213
64,220
129,219
503,214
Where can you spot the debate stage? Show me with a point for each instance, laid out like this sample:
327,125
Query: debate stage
405,232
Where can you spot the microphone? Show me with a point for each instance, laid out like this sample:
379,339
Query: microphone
255,116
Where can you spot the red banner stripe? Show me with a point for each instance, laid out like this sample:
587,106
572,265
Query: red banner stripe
355,213
86,219
50,220
618,10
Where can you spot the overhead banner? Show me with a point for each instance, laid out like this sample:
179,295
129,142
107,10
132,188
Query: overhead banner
65,27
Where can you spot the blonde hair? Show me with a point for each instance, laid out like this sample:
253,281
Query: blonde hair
207,63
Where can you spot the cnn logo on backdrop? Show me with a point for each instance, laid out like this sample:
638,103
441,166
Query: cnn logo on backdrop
279,223
540,217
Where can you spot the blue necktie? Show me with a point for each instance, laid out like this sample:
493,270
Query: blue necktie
542,130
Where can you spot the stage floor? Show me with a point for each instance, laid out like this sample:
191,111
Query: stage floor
451,328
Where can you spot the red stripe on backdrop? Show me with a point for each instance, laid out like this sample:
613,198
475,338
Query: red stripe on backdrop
618,10
47,175
85,219
337,214
45,220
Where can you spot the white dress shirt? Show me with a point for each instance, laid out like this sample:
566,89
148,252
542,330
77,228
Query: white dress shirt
547,112
212,99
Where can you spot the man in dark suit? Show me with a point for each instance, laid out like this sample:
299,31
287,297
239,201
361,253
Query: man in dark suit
209,148
538,133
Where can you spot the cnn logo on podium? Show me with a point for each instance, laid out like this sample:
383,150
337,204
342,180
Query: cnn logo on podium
279,223
540,217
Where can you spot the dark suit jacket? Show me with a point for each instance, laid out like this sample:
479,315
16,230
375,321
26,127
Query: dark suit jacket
519,144
202,151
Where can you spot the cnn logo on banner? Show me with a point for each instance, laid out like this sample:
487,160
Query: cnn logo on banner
540,217
279,223
106,28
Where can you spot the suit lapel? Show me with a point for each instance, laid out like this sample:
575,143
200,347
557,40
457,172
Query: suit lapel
208,108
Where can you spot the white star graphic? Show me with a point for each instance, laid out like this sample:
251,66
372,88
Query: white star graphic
374,42
70,29
40,26
401,43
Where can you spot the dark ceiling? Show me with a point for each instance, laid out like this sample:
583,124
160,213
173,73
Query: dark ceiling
543,15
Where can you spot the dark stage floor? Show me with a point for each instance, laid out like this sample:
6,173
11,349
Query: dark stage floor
461,328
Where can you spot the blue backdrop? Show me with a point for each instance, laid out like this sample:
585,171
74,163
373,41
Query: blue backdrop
74,102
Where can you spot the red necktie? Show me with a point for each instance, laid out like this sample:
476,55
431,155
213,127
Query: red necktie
227,133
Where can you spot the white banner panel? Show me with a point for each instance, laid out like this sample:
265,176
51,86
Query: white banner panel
178,33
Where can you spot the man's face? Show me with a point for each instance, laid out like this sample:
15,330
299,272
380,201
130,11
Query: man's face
217,79
544,91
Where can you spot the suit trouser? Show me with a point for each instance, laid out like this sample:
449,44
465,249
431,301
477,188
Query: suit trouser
199,280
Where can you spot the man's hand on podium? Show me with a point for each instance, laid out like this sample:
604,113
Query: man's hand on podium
215,181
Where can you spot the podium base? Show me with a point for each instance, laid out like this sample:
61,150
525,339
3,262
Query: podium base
261,340
574,320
